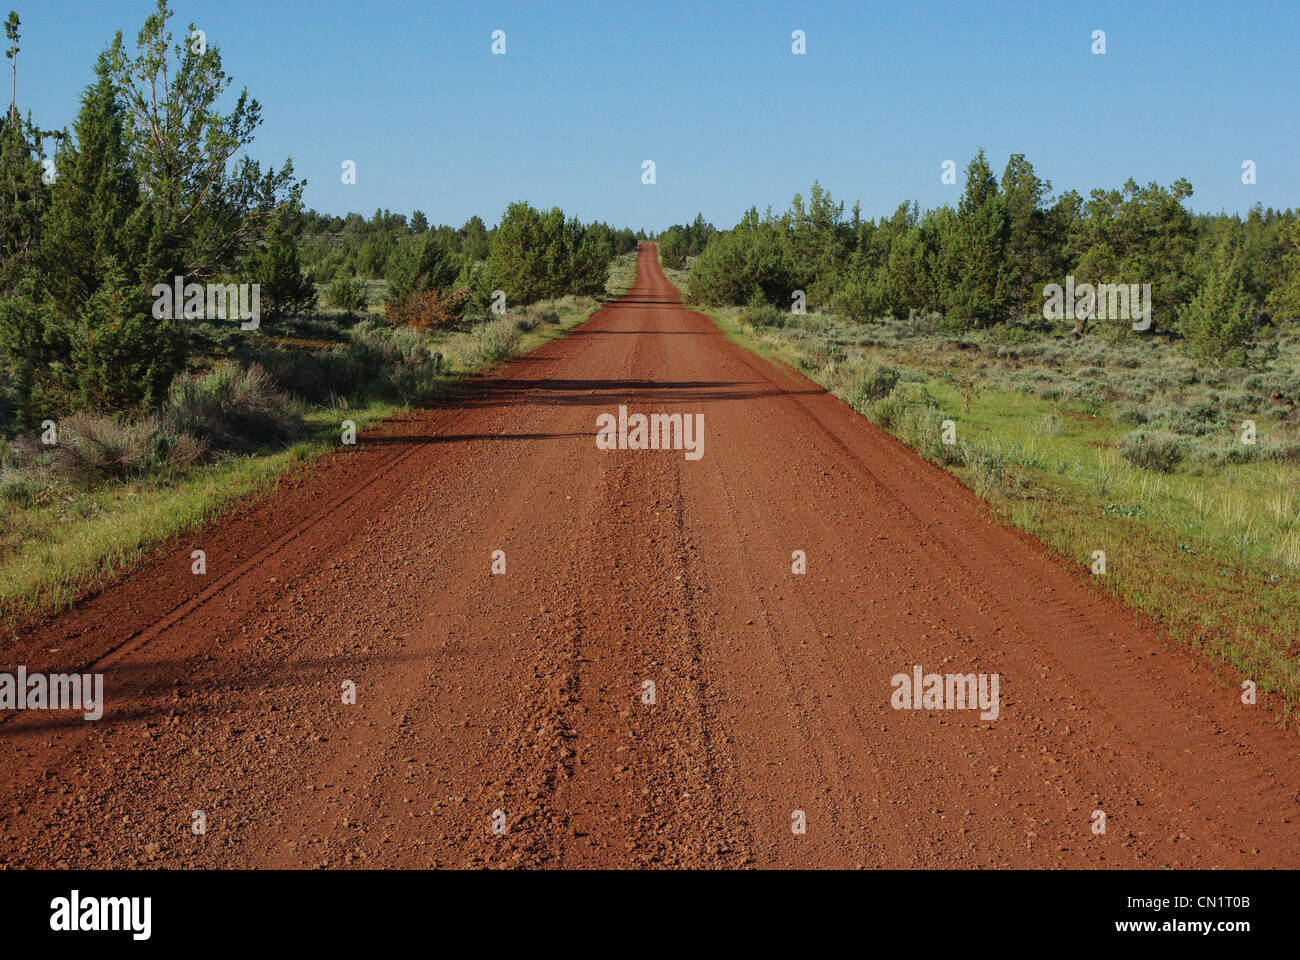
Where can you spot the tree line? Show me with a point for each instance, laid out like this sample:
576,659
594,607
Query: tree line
1215,280
681,241
530,255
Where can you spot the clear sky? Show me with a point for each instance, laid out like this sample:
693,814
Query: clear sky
711,92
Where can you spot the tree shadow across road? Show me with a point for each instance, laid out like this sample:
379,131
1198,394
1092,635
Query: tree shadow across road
609,393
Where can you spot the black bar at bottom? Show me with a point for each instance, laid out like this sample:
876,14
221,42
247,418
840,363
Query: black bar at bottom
944,910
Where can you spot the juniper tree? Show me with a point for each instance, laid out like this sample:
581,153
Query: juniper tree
908,279
1137,235
422,264
23,193
23,197
978,274
285,290
1284,299
122,357
12,23
94,201
1033,247
1218,321
474,243
516,261
205,208
87,268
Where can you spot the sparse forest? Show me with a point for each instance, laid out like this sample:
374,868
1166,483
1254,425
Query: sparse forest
1217,282
129,197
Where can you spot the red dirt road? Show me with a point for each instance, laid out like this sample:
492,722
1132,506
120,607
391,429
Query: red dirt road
522,692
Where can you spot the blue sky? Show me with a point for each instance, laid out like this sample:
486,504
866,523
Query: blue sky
409,90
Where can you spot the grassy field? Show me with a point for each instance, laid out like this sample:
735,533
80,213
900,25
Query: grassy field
59,537
1124,447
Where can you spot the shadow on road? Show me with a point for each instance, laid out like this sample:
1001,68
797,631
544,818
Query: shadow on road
610,393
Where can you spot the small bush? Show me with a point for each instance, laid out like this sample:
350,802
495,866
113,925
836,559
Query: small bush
410,369
921,428
1152,451
230,408
379,359
346,293
1197,420
19,490
428,309
92,449
821,354
489,343
1288,453
764,315
989,470
112,447
1129,413
179,449
1232,450
875,383
885,411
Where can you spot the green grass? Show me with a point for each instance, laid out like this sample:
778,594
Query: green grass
57,540
1210,550
54,550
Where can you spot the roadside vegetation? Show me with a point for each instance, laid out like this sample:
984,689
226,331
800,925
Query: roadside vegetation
124,422
112,490
1173,447
1217,284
